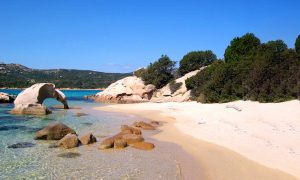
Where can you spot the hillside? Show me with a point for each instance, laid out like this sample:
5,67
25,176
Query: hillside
19,76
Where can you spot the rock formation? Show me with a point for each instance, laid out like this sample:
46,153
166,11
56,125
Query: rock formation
181,94
88,138
129,136
6,98
69,141
128,90
55,131
133,90
31,99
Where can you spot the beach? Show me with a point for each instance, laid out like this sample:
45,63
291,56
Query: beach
252,140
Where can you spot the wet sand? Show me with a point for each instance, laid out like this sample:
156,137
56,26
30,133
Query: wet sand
212,161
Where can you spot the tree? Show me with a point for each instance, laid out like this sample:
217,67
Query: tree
241,46
160,72
277,46
267,73
195,60
297,44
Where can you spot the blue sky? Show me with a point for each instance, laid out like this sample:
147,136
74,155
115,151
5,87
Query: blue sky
120,36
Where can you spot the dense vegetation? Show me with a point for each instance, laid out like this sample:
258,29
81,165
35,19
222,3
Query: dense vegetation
158,73
265,72
18,76
297,44
195,60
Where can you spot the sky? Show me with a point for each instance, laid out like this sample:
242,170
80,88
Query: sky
121,36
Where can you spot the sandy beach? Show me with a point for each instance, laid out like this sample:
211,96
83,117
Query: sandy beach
253,140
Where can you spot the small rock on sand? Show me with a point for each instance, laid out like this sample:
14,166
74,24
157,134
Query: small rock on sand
144,125
88,138
143,145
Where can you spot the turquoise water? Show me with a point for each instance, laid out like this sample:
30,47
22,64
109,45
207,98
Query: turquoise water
42,162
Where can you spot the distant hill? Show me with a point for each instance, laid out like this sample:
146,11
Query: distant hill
19,76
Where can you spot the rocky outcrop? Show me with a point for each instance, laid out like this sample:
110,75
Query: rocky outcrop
6,98
168,94
128,90
55,131
69,141
127,137
133,90
31,99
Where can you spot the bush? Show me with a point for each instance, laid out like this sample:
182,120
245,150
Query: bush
297,44
195,60
270,73
174,86
241,46
160,72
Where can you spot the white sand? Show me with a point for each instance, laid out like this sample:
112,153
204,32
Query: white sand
266,133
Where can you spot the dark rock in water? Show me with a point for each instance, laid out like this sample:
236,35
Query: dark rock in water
11,127
6,98
87,124
69,155
21,145
18,127
80,114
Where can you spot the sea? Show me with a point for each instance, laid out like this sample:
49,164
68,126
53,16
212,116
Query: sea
39,161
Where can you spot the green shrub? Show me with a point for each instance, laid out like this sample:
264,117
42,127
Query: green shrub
195,60
297,44
160,72
241,46
270,73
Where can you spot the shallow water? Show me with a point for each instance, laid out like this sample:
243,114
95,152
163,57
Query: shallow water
84,162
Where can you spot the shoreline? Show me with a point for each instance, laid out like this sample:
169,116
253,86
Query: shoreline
214,159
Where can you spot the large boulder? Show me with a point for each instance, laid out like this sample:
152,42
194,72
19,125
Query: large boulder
166,94
69,141
6,98
128,90
34,96
55,131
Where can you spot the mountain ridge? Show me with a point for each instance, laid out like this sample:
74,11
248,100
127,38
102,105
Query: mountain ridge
19,76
